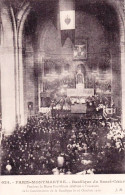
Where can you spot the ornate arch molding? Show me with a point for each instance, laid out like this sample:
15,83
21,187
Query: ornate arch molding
43,31
119,7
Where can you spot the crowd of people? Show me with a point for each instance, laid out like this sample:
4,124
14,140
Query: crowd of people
87,146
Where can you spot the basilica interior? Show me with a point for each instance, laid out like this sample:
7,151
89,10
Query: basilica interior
62,108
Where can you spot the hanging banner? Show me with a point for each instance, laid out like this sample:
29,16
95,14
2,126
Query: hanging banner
66,5
67,20
67,33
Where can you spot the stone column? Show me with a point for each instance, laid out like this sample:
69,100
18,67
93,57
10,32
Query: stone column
21,18
122,44
123,81
7,75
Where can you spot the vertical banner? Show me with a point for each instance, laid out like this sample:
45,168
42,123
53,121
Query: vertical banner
67,33
67,20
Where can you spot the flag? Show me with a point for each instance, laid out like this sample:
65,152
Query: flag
67,20
67,33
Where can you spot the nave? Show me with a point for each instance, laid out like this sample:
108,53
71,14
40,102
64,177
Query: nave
62,88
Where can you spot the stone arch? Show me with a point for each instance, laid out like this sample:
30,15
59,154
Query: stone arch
43,31
119,8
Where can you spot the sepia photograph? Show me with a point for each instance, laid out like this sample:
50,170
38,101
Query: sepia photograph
62,96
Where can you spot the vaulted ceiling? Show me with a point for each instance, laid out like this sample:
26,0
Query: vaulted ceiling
17,4
103,11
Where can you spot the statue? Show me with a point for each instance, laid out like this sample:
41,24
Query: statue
79,77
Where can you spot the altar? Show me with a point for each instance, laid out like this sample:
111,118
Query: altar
66,97
79,94
79,91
